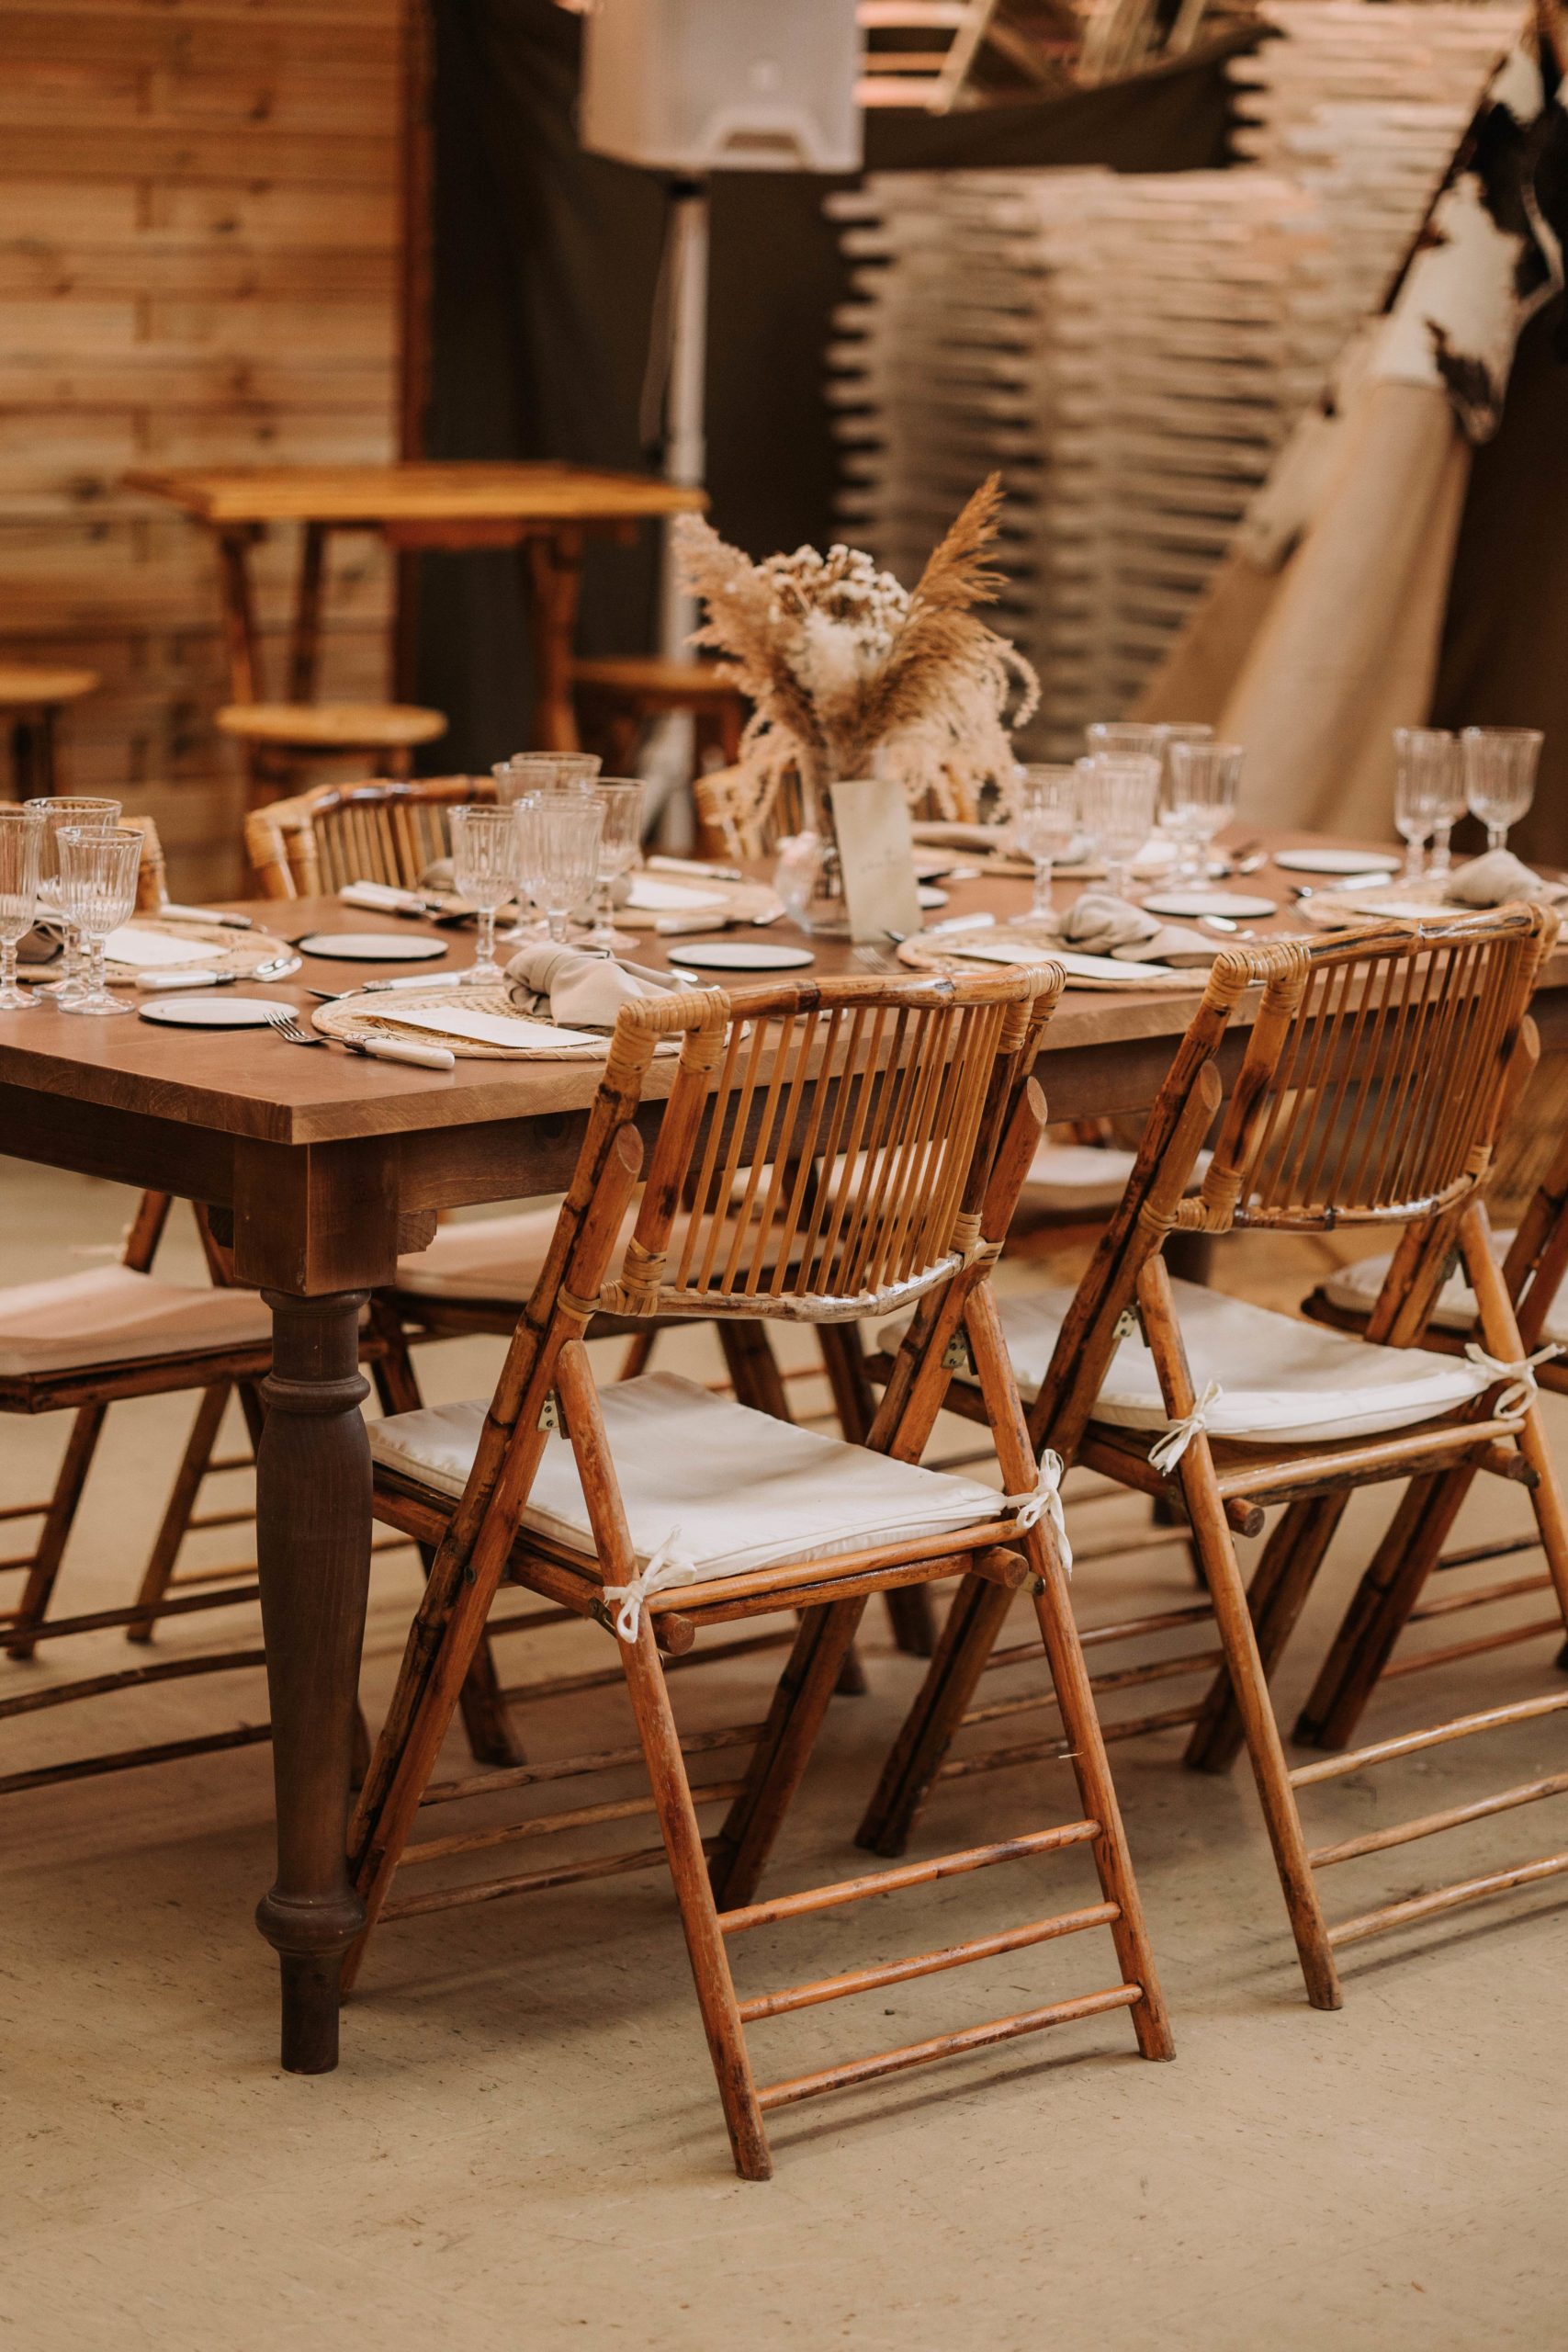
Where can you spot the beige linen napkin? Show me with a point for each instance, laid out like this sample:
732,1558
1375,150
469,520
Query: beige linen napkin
1498,879
577,989
1099,924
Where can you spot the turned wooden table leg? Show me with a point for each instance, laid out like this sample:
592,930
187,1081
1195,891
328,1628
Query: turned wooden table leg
313,1548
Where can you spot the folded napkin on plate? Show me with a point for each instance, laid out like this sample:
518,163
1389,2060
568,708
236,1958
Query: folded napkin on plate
1099,924
577,990
1498,879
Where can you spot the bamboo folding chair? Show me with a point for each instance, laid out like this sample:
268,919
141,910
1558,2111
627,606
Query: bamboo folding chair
826,1152
121,1332
1371,1092
1532,1260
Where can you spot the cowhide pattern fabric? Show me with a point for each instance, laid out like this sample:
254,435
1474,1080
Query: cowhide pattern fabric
1491,252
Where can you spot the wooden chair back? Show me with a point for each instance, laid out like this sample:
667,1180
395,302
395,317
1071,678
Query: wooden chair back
742,821
823,1152
1372,1088
1371,1091
151,879
336,833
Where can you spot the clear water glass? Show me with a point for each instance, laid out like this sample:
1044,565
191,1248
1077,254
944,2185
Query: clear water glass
1499,775
559,851
1044,824
1426,767
21,851
620,839
98,883
1202,783
1188,866
484,871
1119,797
543,771
88,813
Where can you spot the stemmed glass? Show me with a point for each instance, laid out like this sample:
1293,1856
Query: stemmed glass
1423,762
621,800
98,882
527,772
1185,865
1126,739
1499,776
1117,801
1203,778
484,871
88,814
21,847
559,851
1044,824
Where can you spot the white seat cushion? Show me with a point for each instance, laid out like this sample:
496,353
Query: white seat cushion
1085,1178
744,1490
1282,1380
1355,1288
110,1315
492,1257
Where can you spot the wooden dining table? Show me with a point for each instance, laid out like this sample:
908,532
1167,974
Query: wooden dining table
323,1167
548,510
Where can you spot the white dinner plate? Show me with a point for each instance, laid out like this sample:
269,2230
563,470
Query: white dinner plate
214,1011
1361,863
1234,903
930,895
372,947
745,956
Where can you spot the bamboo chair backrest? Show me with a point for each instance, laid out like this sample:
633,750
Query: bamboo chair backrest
745,823
824,1148
1372,1084
151,873
374,832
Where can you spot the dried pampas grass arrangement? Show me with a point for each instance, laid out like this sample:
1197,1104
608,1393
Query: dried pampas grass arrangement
853,675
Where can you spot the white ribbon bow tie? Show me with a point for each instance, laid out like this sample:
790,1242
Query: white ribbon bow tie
667,1565
1167,1451
1044,1500
1520,1376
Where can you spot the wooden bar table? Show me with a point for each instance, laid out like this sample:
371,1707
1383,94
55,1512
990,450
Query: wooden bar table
548,510
326,1166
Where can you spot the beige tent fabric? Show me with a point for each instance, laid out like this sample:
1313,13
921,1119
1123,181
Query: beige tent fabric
1347,647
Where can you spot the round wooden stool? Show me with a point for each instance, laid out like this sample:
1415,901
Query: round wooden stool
624,691
29,700
279,737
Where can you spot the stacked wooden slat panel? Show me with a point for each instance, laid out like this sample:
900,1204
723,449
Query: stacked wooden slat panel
198,231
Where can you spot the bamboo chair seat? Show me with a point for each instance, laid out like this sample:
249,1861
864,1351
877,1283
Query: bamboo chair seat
114,1316
657,1510
1079,1179
1353,1290
740,1490
1278,1378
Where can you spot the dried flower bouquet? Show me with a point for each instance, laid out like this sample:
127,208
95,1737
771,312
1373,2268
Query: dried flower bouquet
853,675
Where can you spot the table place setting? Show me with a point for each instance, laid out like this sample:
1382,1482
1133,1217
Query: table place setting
553,1002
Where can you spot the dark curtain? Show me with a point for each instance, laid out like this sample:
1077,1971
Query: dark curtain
545,264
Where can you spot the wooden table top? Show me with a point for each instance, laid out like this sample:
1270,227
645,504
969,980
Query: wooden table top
245,1083
415,491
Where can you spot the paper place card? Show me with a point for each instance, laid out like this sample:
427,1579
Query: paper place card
986,951
383,897
491,1028
148,951
655,896
877,859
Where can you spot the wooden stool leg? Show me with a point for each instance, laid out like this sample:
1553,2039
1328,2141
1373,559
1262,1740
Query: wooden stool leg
782,1750
55,1533
175,1521
1276,1597
699,1915
965,1643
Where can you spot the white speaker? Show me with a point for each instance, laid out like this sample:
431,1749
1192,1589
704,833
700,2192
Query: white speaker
702,85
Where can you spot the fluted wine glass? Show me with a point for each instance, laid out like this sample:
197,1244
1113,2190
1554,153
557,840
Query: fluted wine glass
21,847
559,851
98,883
1043,824
484,871
543,771
88,813
1499,775
1203,778
620,838
1118,798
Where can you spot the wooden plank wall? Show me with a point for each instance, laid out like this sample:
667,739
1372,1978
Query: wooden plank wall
199,234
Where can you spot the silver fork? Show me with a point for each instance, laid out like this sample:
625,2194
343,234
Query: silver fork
875,961
423,1057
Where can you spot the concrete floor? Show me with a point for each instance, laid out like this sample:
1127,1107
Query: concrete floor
522,2148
